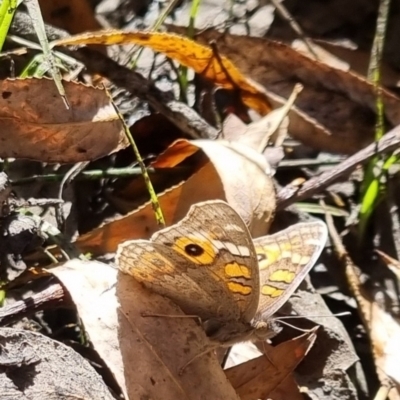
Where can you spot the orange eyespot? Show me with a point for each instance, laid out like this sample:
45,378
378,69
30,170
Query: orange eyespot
198,250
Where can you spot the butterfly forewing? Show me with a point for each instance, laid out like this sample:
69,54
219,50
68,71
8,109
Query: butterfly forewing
158,268
285,258
206,263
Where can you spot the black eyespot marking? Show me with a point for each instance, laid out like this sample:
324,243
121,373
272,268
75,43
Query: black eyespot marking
194,250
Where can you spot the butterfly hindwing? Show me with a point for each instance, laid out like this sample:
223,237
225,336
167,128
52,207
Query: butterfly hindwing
284,259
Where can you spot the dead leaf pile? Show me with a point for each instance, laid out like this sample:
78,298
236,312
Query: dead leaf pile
258,123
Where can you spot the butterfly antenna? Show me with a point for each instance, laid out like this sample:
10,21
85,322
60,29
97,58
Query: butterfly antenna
342,314
281,319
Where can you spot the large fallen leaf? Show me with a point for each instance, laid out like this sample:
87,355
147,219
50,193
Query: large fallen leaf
34,367
201,58
336,109
266,376
145,354
235,173
35,124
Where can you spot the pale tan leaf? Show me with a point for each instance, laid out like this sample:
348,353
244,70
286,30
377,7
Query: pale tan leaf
145,354
246,180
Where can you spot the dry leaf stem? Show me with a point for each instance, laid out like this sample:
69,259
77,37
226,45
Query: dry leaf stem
45,299
289,194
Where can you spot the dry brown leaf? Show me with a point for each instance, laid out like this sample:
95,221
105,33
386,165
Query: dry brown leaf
271,375
35,124
358,60
201,58
145,354
327,371
335,111
73,16
231,172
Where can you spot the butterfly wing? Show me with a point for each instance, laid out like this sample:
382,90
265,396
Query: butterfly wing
206,263
284,259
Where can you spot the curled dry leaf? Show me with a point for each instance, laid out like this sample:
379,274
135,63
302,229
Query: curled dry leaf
270,376
335,111
32,366
203,59
258,134
35,124
227,171
145,354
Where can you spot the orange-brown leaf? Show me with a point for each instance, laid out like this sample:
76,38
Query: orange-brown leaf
205,60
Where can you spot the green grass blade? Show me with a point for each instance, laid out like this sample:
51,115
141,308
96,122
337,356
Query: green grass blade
37,20
183,79
372,186
7,11
153,195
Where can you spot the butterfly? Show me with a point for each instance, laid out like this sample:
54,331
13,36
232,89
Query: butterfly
210,266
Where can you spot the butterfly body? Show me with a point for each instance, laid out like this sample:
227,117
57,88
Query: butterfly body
209,265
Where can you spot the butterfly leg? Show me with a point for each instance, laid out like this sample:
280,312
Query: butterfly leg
202,353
